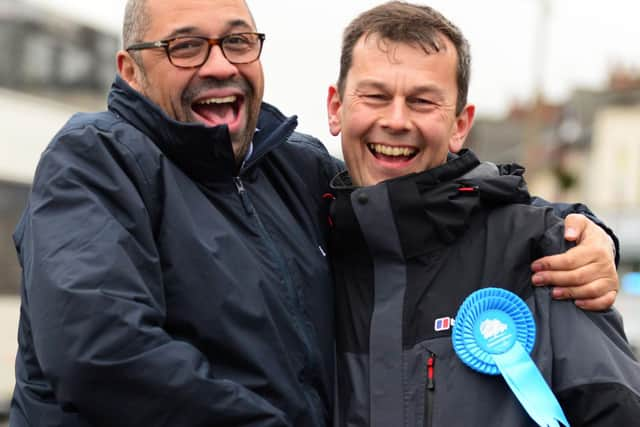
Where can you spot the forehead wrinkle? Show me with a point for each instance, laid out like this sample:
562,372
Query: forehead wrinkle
380,85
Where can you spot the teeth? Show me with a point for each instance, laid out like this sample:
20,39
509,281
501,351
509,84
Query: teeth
392,151
225,100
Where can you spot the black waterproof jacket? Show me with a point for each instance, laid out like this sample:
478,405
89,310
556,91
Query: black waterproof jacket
162,288
407,252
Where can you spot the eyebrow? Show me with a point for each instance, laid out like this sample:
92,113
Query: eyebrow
373,84
231,25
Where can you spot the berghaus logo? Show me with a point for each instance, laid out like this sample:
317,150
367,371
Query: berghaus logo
444,324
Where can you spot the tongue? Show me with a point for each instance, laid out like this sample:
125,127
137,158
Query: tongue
216,114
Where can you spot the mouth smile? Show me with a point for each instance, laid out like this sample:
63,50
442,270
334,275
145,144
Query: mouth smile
393,154
219,110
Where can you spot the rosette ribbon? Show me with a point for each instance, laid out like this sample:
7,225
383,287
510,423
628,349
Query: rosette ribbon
494,333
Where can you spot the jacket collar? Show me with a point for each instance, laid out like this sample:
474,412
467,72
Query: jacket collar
203,153
432,208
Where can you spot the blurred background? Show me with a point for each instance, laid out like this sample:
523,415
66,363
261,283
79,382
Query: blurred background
556,84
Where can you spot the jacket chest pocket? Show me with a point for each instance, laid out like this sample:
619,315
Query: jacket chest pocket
430,395
421,386
442,391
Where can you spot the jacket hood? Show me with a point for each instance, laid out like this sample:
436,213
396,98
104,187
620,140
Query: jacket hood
204,153
433,208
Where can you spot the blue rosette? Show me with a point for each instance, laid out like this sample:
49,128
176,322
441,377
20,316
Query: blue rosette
505,306
494,333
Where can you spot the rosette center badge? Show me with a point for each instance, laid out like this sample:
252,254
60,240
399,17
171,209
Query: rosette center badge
495,332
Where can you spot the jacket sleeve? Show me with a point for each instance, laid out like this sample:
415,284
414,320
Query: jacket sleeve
564,209
595,375
94,291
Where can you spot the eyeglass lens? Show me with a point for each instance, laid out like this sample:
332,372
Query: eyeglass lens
193,51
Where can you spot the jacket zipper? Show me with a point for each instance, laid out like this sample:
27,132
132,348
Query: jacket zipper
243,195
286,281
429,390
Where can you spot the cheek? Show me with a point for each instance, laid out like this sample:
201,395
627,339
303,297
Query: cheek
352,147
165,88
357,123
349,148
255,77
437,129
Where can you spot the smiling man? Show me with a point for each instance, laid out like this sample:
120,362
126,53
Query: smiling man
173,248
398,112
418,229
188,86
173,256
365,106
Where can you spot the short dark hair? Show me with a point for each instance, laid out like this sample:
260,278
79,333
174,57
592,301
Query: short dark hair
403,22
136,22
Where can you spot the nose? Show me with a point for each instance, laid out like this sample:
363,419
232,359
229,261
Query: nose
217,66
396,117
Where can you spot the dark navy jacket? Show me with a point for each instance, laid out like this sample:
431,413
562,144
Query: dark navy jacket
407,252
162,288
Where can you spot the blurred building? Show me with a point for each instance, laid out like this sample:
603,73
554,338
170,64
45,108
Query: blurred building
585,149
51,66
612,175
50,55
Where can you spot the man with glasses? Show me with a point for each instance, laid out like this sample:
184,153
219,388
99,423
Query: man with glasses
174,247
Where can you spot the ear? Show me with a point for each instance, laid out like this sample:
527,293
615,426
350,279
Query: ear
463,124
334,109
129,70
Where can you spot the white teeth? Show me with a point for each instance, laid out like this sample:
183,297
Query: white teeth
225,100
392,151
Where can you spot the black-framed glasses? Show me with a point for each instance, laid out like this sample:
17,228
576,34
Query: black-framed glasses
193,51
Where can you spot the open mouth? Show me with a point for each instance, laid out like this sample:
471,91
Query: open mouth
392,154
216,111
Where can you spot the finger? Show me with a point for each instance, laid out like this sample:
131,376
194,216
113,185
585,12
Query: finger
591,290
574,258
575,226
592,234
582,275
598,304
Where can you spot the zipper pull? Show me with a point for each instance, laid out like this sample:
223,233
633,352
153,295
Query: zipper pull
239,184
429,390
431,362
243,195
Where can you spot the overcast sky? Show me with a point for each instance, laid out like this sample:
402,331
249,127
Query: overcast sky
584,38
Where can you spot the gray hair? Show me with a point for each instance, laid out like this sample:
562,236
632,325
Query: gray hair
136,22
